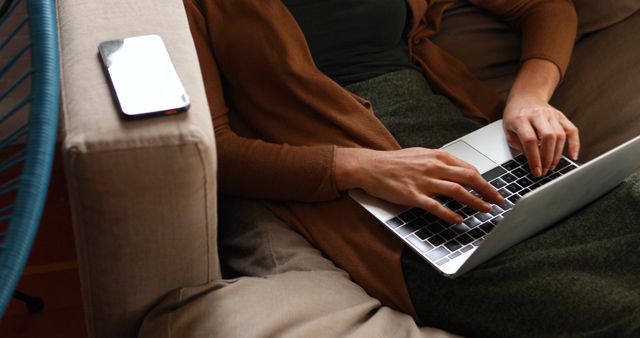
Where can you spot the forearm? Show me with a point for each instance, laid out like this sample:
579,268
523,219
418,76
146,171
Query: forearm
250,167
257,169
549,32
537,78
548,27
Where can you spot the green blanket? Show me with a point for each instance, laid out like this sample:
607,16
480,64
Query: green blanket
580,277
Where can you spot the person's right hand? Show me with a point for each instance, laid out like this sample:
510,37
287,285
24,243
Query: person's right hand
412,177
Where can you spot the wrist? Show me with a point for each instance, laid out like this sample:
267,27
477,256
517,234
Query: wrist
518,101
349,162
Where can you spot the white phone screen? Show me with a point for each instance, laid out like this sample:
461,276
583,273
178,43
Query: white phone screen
143,77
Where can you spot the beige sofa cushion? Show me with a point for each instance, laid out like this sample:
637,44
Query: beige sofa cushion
296,292
142,192
290,304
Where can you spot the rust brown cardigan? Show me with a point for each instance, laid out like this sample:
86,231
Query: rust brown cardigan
278,119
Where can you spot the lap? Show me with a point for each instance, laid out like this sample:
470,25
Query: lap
255,242
415,116
287,273
579,277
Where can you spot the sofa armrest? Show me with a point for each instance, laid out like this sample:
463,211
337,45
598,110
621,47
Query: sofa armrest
143,193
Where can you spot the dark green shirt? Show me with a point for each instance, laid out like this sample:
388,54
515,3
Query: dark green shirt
354,40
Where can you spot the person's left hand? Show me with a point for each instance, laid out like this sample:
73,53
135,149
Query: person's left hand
540,131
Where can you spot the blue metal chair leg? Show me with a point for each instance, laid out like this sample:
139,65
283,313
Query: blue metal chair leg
34,304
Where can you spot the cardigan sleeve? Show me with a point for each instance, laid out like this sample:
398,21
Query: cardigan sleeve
548,27
252,167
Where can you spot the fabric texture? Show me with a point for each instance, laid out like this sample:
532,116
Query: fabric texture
601,98
578,277
290,304
595,15
253,116
249,241
118,290
590,88
143,211
279,119
354,40
414,115
294,291
254,242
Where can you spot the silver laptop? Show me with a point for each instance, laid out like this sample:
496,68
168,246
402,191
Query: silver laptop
531,204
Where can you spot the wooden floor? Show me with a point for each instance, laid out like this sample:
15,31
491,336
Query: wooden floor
51,274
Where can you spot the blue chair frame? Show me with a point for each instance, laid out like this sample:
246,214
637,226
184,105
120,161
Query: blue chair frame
32,185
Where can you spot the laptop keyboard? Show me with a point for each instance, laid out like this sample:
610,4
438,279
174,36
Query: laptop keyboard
441,242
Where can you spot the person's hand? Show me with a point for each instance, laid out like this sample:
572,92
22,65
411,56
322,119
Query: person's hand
532,124
412,177
540,131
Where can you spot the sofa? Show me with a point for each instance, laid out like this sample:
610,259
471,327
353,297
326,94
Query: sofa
161,254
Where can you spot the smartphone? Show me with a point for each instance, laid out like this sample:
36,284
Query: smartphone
143,78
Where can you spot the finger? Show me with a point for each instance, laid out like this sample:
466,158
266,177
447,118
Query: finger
529,142
432,206
468,175
513,141
460,194
573,136
452,160
547,137
560,141
474,180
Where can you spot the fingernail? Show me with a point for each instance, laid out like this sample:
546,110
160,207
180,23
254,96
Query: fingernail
487,207
459,220
537,171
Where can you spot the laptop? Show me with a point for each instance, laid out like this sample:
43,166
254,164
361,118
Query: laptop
531,204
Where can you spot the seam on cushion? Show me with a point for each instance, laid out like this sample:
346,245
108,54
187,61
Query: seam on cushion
75,149
206,210
170,319
82,247
180,141
63,91
207,196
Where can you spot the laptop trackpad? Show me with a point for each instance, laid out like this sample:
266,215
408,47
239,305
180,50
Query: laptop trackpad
465,152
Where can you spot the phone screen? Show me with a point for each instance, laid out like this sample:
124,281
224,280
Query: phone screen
143,78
